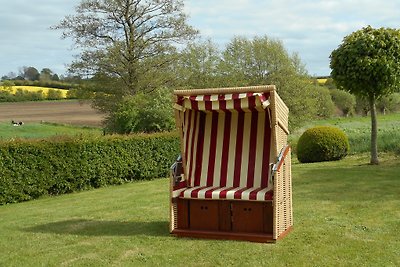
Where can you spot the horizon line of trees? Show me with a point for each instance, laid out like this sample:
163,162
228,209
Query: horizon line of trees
242,62
32,74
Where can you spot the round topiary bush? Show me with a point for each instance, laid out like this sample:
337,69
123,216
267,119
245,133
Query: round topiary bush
322,143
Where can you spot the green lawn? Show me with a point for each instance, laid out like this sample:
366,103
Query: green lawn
346,214
43,130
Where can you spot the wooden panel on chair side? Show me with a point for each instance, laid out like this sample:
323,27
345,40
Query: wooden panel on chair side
268,218
225,220
183,213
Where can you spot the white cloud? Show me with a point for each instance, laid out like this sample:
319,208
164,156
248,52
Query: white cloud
27,39
312,28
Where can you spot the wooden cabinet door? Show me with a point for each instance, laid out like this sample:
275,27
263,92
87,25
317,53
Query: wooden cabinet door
203,215
247,217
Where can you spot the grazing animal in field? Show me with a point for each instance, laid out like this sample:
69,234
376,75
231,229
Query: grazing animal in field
15,123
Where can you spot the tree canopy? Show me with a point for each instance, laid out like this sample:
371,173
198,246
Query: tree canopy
257,61
367,63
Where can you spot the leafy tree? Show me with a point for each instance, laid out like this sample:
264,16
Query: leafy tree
129,44
198,65
367,64
259,60
324,104
343,100
45,74
31,73
263,60
55,77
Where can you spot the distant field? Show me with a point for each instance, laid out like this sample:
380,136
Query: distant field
35,130
358,129
63,112
36,89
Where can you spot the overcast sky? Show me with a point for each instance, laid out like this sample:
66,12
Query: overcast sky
312,28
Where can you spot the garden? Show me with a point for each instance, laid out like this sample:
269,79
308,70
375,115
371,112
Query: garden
79,196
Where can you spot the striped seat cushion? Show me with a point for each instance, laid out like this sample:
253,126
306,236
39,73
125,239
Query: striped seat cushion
230,193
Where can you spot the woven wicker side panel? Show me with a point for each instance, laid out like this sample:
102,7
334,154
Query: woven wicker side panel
283,190
173,207
174,217
285,205
288,179
281,111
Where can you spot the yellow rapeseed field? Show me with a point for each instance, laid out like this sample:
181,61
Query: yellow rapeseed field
45,90
322,81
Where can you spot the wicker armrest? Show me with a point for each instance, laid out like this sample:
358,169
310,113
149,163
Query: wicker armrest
279,162
177,172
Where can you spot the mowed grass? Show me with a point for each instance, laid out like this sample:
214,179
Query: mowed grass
44,130
358,129
45,90
346,213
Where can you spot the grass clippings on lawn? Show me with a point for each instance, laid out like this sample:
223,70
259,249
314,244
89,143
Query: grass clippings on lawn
346,213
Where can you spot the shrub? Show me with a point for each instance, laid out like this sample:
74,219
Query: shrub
24,95
324,104
362,106
54,94
323,143
390,103
397,149
6,96
30,169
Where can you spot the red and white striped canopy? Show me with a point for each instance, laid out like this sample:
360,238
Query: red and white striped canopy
222,102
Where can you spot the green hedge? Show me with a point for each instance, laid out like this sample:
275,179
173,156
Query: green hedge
29,170
51,84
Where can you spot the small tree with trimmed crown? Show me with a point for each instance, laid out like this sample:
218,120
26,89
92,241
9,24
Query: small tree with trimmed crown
367,64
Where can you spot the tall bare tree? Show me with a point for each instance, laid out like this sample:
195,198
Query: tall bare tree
127,44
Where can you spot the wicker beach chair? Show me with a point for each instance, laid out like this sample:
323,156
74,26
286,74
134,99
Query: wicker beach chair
233,178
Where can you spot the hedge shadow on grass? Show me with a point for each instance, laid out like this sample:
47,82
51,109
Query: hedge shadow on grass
85,227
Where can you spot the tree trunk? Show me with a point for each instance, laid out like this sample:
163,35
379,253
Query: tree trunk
374,132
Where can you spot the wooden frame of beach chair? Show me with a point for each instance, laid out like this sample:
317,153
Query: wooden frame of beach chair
233,178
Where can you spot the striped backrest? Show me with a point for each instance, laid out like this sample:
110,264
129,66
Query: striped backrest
226,143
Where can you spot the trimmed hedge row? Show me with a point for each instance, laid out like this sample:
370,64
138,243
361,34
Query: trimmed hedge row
29,170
